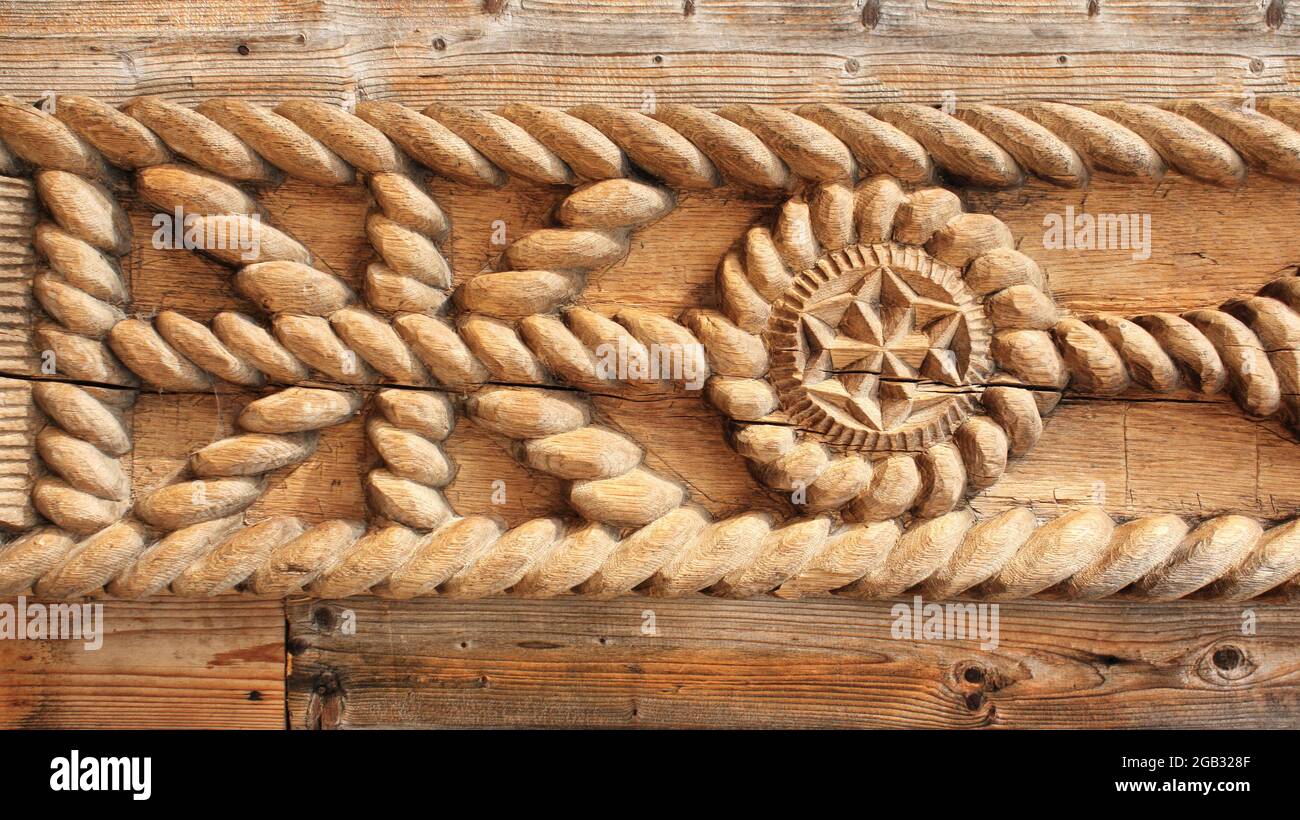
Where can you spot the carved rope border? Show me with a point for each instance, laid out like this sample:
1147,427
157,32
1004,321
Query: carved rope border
639,533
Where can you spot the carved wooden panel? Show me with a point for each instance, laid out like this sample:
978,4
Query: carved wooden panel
875,350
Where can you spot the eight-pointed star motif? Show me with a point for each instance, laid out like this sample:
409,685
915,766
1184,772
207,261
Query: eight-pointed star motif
868,348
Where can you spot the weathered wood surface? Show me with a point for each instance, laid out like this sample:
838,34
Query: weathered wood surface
561,52
773,664
163,664
731,663
1138,454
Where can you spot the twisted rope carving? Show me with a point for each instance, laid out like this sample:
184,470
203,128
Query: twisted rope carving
752,146
410,284
555,434
82,290
1081,554
181,354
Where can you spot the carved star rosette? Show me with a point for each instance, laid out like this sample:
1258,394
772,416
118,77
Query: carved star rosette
879,348
904,346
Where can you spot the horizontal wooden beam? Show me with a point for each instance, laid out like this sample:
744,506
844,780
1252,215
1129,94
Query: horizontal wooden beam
697,662
160,665
702,52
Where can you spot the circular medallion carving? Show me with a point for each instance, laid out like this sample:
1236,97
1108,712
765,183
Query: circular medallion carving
878,347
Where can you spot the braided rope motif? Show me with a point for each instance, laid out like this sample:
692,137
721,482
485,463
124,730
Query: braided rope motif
509,328
81,289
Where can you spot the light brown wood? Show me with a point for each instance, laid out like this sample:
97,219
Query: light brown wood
19,423
773,664
1140,453
928,216
842,51
1094,426
164,664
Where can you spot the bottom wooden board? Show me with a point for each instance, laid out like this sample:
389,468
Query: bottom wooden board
162,664
644,662
703,662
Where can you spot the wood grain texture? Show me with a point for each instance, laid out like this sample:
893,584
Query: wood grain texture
1140,453
18,422
18,426
17,266
163,664
1144,456
715,662
563,52
1200,251
771,664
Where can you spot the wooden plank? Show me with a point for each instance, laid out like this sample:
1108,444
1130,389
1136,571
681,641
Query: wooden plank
1148,456
163,664
1201,251
18,414
1221,22
1199,255
1114,451
704,51
1137,457
768,663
